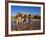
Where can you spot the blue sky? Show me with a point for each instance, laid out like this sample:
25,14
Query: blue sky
25,9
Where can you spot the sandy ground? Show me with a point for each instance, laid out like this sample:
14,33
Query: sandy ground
35,25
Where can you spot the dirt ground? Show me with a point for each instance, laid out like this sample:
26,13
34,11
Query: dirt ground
35,25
